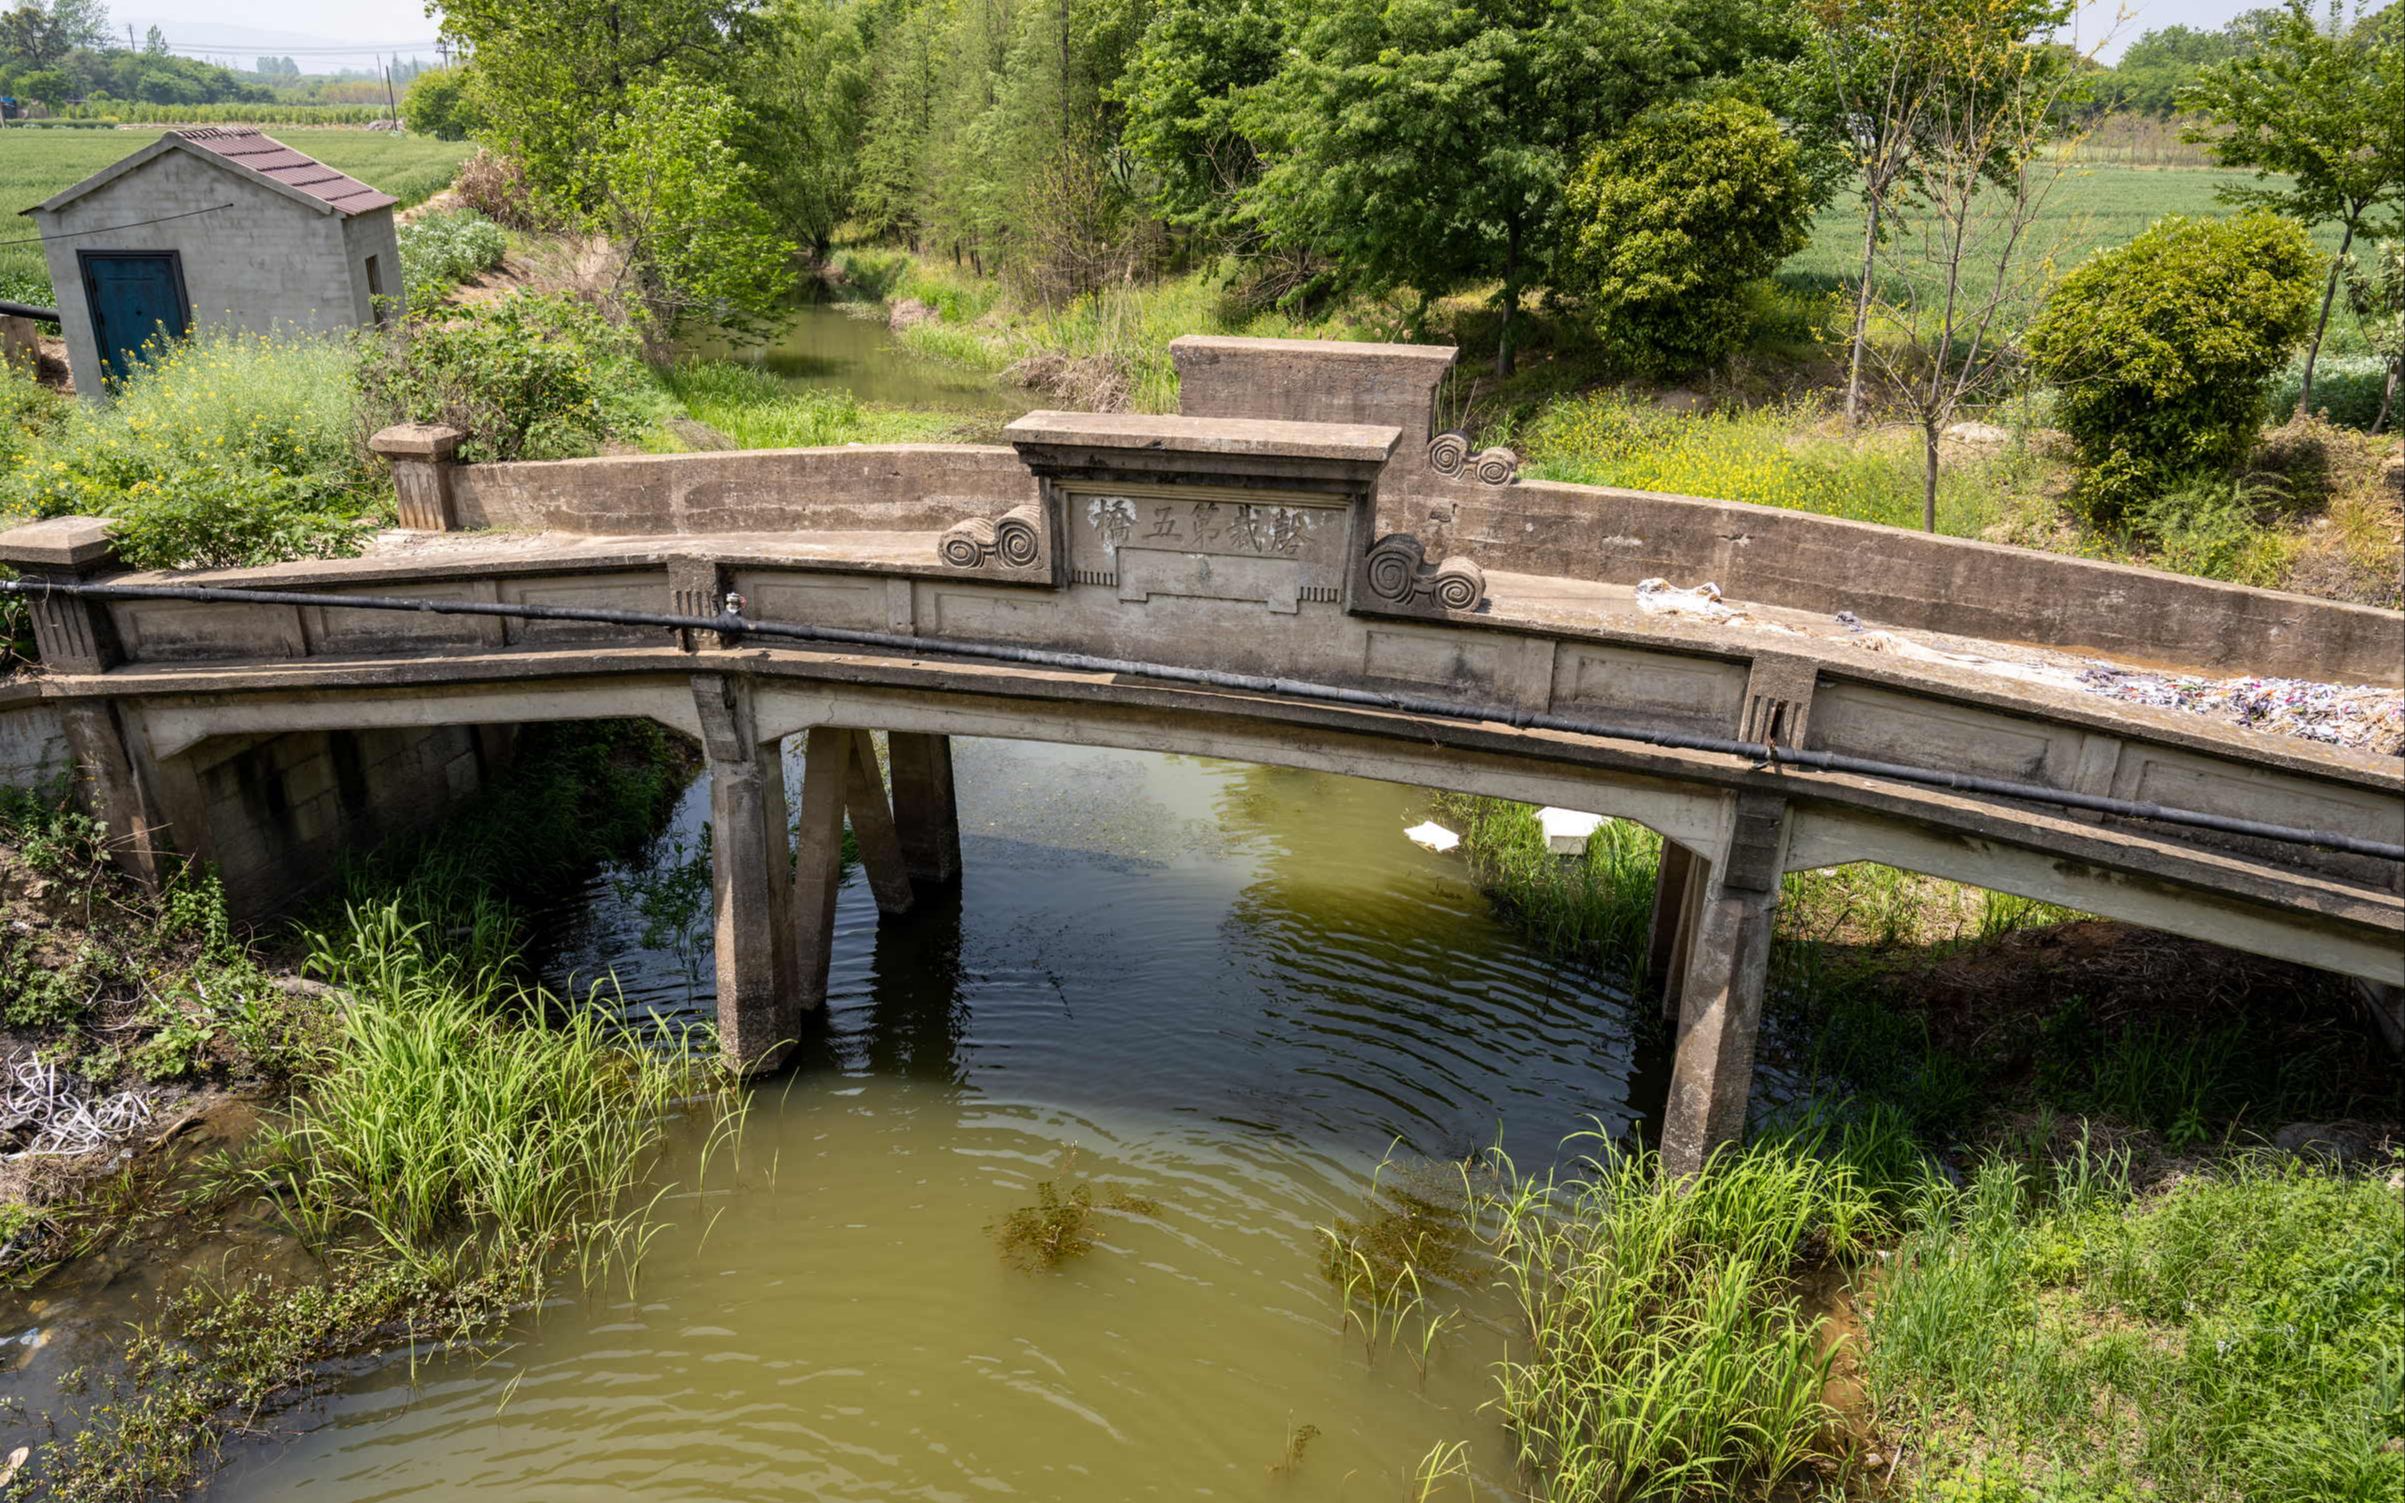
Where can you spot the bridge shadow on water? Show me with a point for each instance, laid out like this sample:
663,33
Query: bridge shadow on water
1252,947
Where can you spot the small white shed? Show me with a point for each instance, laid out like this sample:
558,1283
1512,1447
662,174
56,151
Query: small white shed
218,226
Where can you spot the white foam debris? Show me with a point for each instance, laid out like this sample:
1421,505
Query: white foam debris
1432,836
1567,830
58,1116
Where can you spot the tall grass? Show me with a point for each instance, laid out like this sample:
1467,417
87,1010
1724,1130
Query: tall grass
225,448
1772,455
463,1120
456,1141
1665,1348
2236,1336
1593,909
759,411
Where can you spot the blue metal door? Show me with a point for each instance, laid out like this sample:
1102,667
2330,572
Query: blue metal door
133,295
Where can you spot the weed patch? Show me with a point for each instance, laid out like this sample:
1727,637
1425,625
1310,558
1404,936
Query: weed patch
222,449
2233,1335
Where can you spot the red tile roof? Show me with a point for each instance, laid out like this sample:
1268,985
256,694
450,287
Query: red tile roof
263,153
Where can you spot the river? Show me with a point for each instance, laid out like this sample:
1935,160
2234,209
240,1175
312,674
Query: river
835,346
1232,991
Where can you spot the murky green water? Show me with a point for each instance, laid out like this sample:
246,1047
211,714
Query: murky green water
835,347
1229,990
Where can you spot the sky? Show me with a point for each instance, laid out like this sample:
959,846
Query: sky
375,25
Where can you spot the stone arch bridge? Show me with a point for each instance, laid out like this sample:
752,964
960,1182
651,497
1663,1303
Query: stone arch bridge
1438,621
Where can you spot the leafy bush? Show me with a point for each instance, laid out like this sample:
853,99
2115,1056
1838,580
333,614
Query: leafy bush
529,377
2218,528
2161,349
440,251
2346,388
1674,217
27,284
223,449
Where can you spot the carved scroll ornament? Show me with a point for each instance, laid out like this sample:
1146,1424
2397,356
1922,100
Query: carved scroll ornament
1397,572
1014,540
1449,455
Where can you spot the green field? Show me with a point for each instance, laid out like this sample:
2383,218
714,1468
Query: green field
35,163
2091,207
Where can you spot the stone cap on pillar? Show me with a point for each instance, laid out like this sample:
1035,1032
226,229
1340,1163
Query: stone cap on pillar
1142,445
432,441
78,543
1317,381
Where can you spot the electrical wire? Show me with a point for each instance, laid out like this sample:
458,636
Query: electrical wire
105,228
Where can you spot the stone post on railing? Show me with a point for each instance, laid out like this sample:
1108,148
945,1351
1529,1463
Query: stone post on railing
421,455
73,635
76,637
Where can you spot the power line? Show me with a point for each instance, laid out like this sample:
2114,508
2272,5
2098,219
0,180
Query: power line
102,229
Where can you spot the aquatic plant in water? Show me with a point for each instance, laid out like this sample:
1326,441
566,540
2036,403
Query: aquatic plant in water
1418,1232
1061,1224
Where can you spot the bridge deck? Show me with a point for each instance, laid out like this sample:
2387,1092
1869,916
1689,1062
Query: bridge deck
2010,675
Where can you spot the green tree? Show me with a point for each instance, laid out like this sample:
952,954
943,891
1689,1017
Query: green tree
2160,349
2323,108
1882,77
555,75
30,35
1675,217
1186,91
666,184
888,191
1425,145
805,90
2160,64
441,102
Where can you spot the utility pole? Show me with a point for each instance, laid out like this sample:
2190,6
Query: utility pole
392,105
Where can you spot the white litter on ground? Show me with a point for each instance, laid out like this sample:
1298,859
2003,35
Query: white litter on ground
1659,597
1433,836
1567,830
58,1117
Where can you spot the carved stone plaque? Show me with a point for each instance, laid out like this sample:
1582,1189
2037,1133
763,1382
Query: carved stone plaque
1280,550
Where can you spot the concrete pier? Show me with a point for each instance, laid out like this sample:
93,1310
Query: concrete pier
759,981
926,814
1720,1003
873,829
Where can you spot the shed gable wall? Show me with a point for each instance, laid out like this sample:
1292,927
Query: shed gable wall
265,262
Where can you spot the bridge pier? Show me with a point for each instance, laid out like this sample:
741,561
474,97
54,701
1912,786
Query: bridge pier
926,814
759,980
1726,940
873,829
1677,892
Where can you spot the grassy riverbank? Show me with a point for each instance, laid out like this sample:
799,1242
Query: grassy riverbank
2017,1232
2319,511
442,1137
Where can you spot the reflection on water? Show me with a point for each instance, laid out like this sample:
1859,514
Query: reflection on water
1227,990
846,347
